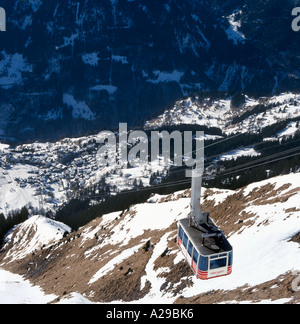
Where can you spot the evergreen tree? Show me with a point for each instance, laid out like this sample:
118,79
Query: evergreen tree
14,218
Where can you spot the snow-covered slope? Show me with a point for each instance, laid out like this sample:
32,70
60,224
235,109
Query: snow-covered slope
132,256
36,233
220,113
15,290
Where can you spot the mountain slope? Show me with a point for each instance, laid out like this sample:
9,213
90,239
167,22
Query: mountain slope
49,174
132,256
231,115
34,234
78,66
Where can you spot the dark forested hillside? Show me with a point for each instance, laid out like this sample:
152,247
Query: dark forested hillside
73,67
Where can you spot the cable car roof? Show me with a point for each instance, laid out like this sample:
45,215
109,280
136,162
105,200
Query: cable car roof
197,240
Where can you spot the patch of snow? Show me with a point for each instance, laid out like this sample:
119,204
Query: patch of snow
233,32
147,217
290,130
152,275
114,262
74,299
11,68
91,59
3,147
68,41
54,114
109,88
218,196
120,59
261,302
235,154
160,77
13,196
15,290
80,108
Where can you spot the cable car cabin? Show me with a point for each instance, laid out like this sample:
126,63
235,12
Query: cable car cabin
209,254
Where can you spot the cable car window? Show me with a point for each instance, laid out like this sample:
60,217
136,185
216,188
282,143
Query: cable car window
181,233
203,264
195,256
190,249
230,261
216,264
185,240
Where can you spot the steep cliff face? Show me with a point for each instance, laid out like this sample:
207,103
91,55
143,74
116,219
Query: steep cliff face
76,66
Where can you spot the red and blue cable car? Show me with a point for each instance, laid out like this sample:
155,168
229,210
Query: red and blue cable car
208,257
204,246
